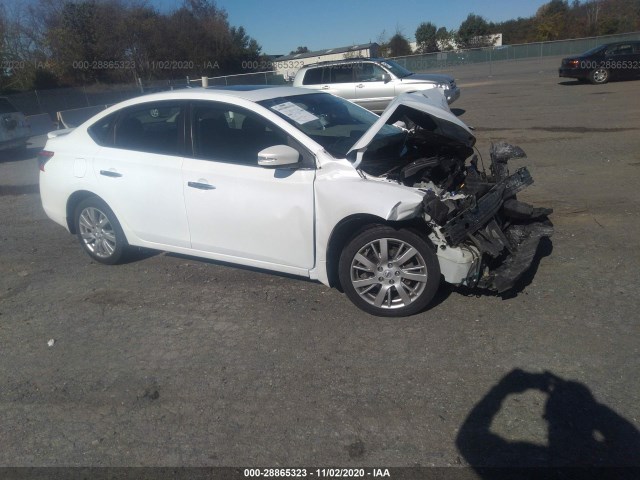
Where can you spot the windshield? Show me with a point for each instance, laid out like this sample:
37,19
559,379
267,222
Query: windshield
398,70
333,122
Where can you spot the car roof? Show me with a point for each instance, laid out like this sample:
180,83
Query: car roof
253,93
632,42
340,62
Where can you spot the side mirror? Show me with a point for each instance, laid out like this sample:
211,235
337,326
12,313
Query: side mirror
386,77
278,156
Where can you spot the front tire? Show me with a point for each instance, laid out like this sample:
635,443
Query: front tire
99,231
389,272
599,76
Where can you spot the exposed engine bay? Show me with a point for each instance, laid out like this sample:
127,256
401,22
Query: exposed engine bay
484,235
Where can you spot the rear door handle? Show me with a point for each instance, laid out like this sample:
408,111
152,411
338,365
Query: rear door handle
326,87
110,173
201,186
360,86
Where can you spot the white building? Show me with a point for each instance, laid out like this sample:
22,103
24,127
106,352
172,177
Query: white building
288,65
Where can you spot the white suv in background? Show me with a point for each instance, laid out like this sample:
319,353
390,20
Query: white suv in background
371,82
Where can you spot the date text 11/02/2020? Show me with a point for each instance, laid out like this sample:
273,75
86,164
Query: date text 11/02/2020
316,472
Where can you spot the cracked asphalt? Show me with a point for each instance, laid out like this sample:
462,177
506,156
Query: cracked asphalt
173,361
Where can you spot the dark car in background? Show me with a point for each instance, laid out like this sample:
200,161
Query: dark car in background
605,62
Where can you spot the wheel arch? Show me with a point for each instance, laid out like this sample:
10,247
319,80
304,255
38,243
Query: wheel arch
350,226
72,203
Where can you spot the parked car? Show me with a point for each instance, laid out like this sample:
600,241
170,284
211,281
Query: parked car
605,62
297,181
14,127
371,82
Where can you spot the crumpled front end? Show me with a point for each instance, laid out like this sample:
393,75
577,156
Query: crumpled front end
486,218
484,235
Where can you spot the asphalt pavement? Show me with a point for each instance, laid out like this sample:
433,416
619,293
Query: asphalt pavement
174,361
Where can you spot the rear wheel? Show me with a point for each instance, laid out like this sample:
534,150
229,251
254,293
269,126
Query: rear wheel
599,76
389,272
99,231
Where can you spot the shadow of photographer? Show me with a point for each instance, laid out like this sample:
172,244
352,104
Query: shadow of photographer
581,431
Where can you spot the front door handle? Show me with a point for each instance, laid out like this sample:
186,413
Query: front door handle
110,173
201,186
360,86
326,87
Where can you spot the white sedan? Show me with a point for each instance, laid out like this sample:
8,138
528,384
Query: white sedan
297,181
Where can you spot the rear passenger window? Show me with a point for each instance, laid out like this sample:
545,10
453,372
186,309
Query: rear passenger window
341,74
232,134
102,130
153,128
313,77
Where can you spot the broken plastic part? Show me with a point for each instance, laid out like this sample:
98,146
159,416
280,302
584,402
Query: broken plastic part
506,275
434,207
521,211
500,154
470,220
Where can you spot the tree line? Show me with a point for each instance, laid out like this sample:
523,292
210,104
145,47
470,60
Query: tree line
52,43
555,20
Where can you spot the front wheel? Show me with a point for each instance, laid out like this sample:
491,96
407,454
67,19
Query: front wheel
599,76
389,272
99,231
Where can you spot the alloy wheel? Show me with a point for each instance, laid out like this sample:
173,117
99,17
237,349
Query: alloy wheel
97,232
388,273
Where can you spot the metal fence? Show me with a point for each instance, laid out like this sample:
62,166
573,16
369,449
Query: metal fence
442,60
55,100
256,78
59,99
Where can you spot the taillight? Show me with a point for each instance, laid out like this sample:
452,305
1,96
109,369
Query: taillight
43,157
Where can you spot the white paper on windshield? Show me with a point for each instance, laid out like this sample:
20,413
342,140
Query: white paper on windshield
295,113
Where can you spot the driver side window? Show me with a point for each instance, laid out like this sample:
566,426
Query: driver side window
626,49
228,133
370,72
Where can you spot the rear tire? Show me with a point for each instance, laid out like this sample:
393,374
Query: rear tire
389,272
99,231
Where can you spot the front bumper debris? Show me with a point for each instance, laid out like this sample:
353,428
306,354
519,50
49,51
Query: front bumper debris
506,231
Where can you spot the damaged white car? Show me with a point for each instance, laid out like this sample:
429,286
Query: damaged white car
301,182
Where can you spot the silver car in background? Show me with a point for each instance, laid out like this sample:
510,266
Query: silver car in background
371,82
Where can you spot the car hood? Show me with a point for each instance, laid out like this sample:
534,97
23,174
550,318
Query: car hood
434,116
428,77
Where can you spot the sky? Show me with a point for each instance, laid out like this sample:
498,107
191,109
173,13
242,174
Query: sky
280,26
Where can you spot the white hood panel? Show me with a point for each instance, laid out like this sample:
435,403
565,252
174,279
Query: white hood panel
433,103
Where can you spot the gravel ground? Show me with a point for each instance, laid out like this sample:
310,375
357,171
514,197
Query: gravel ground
172,361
